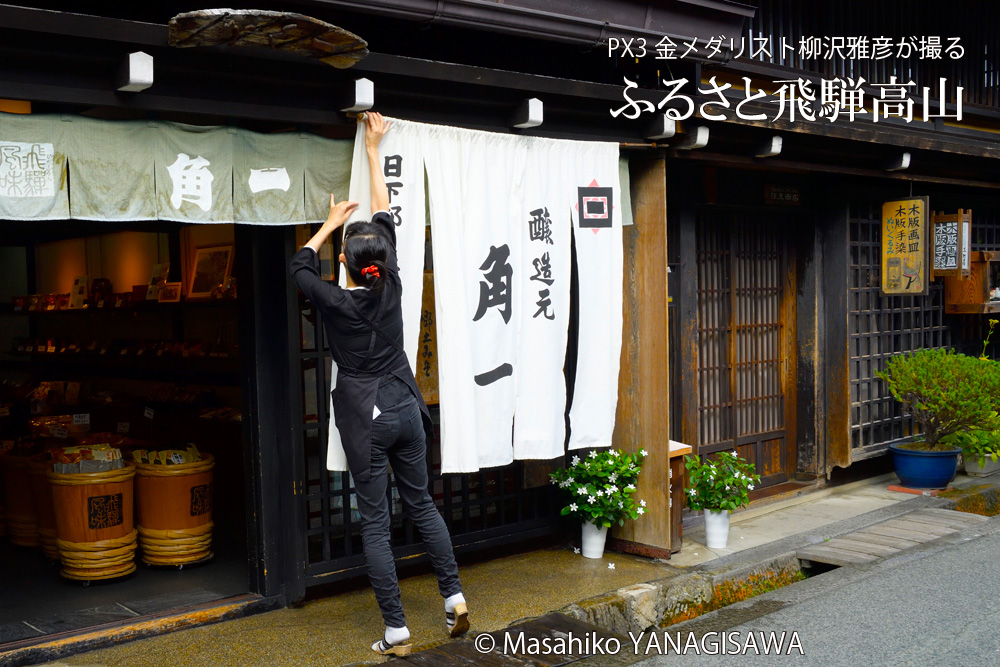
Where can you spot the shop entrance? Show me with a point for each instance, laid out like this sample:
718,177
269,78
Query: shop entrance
746,334
112,369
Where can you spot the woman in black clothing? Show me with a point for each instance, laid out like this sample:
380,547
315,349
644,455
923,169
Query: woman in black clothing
378,408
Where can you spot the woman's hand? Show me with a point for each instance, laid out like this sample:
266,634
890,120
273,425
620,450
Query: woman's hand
375,128
339,213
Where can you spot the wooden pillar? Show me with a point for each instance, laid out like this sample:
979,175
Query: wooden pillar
687,311
642,420
835,290
809,350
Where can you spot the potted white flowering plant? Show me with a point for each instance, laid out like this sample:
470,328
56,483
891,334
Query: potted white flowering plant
719,485
601,487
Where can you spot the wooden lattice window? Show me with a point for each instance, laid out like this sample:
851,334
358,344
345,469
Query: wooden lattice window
880,327
985,230
742,349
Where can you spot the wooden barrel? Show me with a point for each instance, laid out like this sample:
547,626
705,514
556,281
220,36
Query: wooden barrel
42,492
174,505
22,517
95,525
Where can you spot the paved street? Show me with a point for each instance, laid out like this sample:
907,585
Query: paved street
842,617
935,606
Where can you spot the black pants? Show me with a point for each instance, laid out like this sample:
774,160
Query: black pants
398,440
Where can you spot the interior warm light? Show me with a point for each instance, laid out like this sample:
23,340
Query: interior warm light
58,263
128,258
15,106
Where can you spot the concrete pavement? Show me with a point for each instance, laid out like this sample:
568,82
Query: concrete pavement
765,524
935,604
338,630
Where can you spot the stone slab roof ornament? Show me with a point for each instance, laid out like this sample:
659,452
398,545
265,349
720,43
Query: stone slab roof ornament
282,31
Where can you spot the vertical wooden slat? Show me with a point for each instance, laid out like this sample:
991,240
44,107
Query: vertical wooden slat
643,413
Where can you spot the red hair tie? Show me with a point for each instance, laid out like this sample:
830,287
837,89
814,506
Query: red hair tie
371,269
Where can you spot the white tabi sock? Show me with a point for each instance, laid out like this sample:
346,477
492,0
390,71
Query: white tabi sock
452,600
396,635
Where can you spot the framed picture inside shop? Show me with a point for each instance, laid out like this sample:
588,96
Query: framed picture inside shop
169,293
212,265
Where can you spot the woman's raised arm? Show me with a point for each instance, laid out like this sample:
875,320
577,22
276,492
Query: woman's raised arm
376,127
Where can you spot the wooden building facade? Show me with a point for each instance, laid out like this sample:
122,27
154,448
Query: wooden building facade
753,314
778,318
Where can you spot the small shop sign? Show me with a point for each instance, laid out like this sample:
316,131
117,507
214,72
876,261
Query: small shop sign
951,232
782,194
905,246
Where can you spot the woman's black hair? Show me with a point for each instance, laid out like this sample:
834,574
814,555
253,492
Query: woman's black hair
366,250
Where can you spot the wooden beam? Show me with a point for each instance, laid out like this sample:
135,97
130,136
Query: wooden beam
789,343
642,419
152,102
688,318
382,63
922,136
806,167
82,25
808,350
836,337
272,464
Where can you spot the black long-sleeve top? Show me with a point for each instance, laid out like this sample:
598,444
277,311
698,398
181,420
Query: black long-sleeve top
350,338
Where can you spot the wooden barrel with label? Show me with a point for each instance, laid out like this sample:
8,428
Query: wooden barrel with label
95,525
174,504
22,516
41,491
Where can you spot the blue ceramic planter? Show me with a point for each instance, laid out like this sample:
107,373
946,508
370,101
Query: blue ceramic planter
924,470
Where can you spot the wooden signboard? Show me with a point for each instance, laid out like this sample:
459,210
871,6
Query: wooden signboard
427,366
905,246
948,232
966,241
278,31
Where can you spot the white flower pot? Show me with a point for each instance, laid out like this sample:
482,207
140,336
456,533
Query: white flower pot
593,540
972,468
716,528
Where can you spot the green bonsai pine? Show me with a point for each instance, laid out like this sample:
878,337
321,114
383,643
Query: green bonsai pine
946,392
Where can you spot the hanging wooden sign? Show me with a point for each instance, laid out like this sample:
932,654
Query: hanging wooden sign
427,366
947,235
966,241
905,246
281,31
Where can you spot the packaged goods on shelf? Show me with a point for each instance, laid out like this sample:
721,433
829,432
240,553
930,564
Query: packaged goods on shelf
167,457
57,426
91,458
222,414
